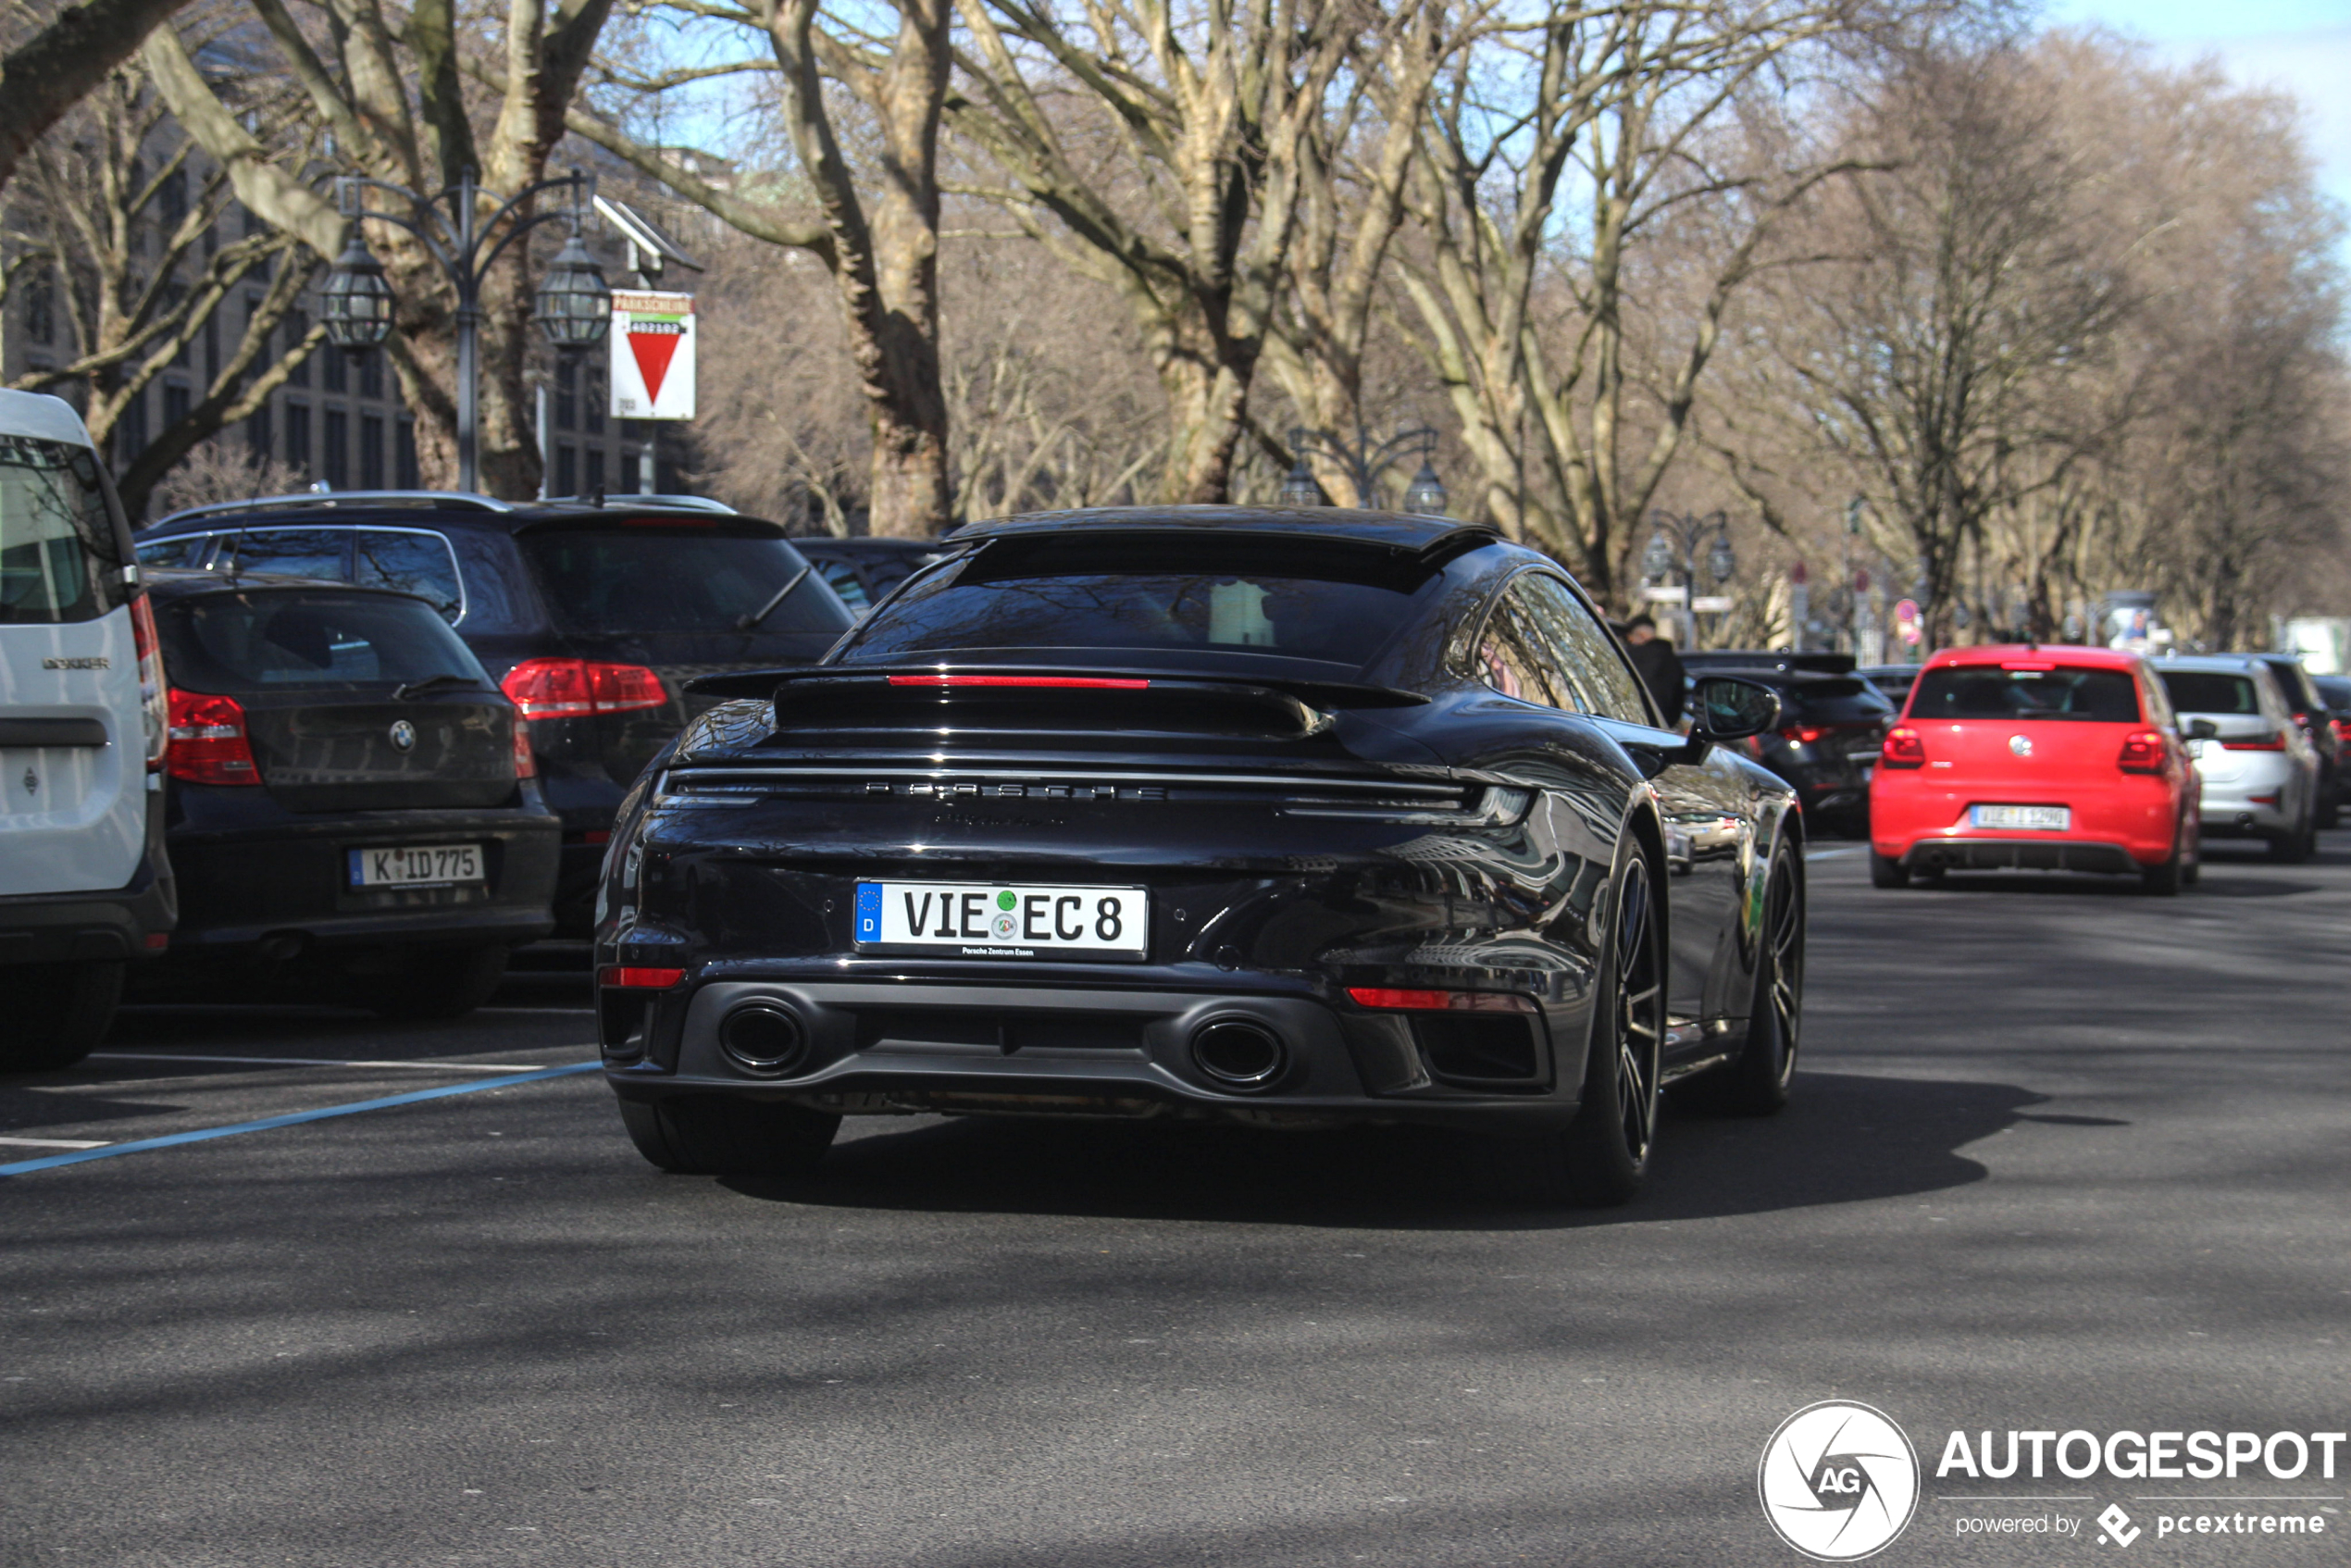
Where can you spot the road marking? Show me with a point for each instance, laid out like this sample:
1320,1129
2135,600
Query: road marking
310,1062
1830,854
56,1142
535,1009
290,1119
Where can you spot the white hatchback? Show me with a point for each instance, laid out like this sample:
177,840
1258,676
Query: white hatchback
84,886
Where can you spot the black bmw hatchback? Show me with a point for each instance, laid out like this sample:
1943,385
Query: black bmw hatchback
351,809
592,618
1280,817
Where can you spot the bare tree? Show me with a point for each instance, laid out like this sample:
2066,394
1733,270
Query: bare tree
51,63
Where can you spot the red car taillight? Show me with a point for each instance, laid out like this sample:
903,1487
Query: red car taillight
1904,747
2274,742
637,978
2143,752
207,740
2342,730
575,688
526,761
153,704
1801,735
1440,1002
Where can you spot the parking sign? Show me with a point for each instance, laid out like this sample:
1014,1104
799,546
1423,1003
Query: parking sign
653,355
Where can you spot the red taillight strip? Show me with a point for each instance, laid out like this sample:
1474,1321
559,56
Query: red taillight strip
1096,682
1408,1000
631,976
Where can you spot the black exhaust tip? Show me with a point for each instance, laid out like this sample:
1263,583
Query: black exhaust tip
762,1038
1240,1054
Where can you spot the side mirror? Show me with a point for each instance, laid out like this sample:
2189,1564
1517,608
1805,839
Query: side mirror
2202,730
1723,707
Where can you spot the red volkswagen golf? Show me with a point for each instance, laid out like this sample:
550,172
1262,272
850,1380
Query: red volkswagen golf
2047,758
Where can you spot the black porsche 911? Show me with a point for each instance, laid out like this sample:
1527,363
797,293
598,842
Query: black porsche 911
1283,817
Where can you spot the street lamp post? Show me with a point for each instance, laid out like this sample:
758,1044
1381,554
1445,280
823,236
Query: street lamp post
574,303
1364,461
1673,547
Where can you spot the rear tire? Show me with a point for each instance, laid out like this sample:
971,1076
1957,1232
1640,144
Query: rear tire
1885,871
2328,811
58,1013
722,1135
2166,880
2294,848
440,982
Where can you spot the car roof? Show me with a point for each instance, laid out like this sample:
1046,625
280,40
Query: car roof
2005,652
1409,531
38,416
2237,663
171,582
407,508
865,545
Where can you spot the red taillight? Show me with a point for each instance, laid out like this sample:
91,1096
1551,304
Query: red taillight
2273,741
1904,747
525,760
575,688
154,706
2342,730
207,740
636,977
1440,1002
1096,682
1802,735
2143,752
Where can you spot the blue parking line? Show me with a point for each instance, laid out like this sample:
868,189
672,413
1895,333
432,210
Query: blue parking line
290,1119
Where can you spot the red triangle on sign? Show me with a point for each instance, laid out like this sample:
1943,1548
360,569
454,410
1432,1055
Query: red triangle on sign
653,352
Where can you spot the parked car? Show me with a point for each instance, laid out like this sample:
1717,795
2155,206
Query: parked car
2335,691
863,571
1220,813
2259,772
354,810
2310,712
1892,680
591,618
86,886
1826,740
2049,758
1816,662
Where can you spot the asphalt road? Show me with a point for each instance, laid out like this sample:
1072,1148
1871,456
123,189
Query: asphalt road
2061,1157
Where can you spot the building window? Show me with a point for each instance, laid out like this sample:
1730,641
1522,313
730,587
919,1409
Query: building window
335,460
174,402
591,414
404,456
595,470
212,347
40,304
298,435
567,392
371,373
371,452
566,471
130,426
335,369
257,435
633,429
297,328
173,199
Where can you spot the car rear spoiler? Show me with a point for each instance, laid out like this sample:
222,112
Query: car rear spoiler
976,680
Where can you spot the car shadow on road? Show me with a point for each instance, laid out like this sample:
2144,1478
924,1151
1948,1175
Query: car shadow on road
1848,1138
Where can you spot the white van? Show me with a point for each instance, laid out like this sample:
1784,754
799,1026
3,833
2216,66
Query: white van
84,887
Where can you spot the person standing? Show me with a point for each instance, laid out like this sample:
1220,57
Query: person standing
1657,664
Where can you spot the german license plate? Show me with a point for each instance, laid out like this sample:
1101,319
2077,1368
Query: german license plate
415,866
1001,920
2041,819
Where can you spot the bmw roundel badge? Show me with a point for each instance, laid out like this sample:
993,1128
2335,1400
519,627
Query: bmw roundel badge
403,735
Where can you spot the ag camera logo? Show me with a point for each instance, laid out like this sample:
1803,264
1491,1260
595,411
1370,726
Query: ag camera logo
1839,1481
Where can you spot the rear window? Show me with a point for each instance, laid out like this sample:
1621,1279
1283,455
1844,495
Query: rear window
1840,700
678,578
2209,691
1332,602
2295,682
272,639
2099,696
58,560
2334,689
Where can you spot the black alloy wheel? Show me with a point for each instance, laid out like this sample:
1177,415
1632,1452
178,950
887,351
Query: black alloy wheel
1757,1084
1609,1141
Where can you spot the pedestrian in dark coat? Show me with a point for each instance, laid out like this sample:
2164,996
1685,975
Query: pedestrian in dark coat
1658,666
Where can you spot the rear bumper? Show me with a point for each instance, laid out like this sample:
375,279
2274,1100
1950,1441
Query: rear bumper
890,1047
287,878
2026,854
2122,826
101,926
